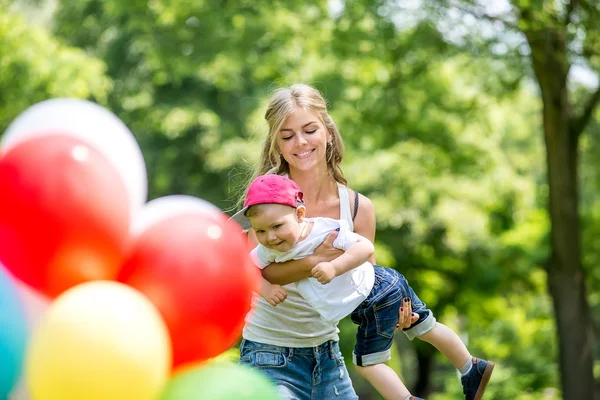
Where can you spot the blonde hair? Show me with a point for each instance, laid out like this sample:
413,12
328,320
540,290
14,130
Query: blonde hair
282,103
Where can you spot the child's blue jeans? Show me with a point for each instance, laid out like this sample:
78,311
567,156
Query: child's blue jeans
377,317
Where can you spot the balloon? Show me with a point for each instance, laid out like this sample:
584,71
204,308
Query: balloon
92,124
64,214
194,267
99,340
34,302
162,208
13,334
221,381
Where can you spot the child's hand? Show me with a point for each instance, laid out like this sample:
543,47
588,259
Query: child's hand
324,272
274,294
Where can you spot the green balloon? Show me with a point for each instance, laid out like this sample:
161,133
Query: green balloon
220,381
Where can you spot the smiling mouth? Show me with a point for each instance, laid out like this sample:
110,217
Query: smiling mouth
304,153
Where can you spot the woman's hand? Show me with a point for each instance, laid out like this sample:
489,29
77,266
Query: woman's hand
326,252
405,315
295,270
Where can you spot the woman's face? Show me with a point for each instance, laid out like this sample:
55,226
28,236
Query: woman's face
303,140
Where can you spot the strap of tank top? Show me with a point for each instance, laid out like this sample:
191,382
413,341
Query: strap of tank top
355,205
345,212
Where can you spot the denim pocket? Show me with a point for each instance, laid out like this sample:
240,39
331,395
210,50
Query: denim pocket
386,315
267,359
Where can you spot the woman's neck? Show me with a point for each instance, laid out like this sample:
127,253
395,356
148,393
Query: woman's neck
316,185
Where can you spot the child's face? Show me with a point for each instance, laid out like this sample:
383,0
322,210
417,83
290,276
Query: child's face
278,227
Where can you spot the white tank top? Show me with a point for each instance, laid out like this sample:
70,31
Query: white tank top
293,323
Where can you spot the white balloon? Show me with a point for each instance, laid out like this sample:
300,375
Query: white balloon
93,124
163,208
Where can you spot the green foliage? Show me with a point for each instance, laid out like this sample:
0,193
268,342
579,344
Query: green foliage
35,66
442,133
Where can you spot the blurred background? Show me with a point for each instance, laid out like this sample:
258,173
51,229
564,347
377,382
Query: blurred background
452,111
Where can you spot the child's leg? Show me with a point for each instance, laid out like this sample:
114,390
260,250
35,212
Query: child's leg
475,372
429,330
385,380
449,344
376,318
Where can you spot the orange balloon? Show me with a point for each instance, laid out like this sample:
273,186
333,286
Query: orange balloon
64,214
194,268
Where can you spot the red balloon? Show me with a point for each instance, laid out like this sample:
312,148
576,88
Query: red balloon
194,267
64,214
253,270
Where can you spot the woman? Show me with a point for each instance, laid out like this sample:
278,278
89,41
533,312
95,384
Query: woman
290,342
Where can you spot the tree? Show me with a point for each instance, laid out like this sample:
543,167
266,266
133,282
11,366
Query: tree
559,35
36,67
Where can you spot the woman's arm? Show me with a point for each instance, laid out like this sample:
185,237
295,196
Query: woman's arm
285,272
295,270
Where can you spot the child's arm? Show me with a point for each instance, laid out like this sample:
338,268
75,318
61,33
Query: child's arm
274,294
356,254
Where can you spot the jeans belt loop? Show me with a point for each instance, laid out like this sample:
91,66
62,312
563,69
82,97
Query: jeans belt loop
291,353
331,355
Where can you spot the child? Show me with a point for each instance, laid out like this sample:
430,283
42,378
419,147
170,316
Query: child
351,285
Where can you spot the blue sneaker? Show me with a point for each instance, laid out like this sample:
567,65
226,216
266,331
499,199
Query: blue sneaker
475,381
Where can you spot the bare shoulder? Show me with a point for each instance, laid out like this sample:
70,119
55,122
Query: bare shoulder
364,203
364,223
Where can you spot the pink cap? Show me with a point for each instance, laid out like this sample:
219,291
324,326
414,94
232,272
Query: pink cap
275,189
269,189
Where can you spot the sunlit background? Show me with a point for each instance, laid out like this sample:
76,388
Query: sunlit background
440,105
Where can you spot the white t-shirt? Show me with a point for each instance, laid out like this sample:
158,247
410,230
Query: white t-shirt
344,293
293,323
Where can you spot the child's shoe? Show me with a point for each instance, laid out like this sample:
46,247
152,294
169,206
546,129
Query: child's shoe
475,381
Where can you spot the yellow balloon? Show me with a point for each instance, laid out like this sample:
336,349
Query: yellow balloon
99,341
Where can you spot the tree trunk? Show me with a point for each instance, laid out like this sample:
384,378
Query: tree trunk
425,366
566,282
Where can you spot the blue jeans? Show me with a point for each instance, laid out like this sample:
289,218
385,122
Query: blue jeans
377,317
302,373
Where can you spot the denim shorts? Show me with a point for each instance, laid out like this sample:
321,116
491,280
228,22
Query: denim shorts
302,373
377,317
